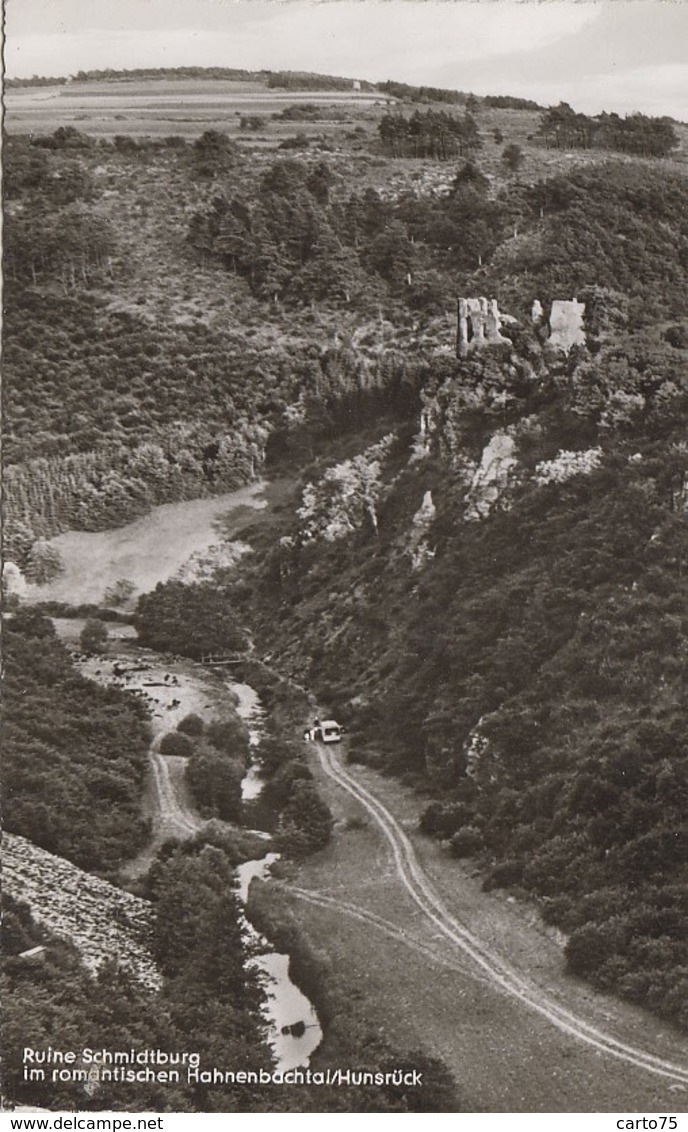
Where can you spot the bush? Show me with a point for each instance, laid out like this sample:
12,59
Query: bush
215,782
677,336
229,735
119,592
43,563
441,820
93,637
590,946
191,725
306,821
175,743
504,875
466,842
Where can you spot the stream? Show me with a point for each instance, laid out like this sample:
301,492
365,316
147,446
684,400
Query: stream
173,688
286,1004
145,552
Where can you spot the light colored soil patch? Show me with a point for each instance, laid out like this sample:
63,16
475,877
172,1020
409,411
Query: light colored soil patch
145,552
505,1057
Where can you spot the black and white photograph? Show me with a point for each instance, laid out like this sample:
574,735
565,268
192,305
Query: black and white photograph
345,558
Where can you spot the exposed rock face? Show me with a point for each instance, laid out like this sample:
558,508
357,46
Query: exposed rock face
475,747
418,547
427,427
346,497
567,464
479,324
491,476
566,324
536,311
101,920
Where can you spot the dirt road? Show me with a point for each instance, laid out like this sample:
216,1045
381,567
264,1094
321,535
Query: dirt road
172,688
421,892
475,978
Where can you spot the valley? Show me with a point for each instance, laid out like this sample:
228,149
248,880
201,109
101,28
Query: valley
372,399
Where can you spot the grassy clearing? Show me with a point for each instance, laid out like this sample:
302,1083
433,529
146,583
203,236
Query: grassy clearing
145,552
502,1059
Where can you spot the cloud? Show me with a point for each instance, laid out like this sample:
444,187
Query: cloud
368,38
659,89
623,56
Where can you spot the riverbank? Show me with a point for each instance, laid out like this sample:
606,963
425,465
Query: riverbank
173,688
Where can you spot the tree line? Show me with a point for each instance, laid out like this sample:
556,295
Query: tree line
564,128
434,134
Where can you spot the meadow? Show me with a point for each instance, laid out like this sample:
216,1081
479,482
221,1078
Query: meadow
157,107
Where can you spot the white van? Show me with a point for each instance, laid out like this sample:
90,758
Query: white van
327,731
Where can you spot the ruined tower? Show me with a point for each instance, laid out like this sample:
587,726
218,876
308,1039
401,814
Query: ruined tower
479,324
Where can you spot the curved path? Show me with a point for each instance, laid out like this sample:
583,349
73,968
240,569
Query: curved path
499,973
172,813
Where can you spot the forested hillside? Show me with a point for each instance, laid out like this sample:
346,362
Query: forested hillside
169,304
74,754
497,607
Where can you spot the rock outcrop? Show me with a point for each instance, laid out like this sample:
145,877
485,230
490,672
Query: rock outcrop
566,465
101,920
419,547
566,324
492,475
13,581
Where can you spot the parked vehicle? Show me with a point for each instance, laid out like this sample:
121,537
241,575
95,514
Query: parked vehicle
326,731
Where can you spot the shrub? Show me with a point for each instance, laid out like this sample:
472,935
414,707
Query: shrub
215,782
504,875
590,946
228,735
191,725
175,743
93,636
466,842
677,336
306,821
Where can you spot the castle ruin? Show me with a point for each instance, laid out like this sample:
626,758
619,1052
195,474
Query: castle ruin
564,323
479,324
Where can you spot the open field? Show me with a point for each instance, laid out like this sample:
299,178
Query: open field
147,551
157,107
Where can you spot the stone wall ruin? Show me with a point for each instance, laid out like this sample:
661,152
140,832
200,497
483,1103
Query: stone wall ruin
479,324
564,324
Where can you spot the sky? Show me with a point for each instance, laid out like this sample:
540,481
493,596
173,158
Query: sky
622,55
